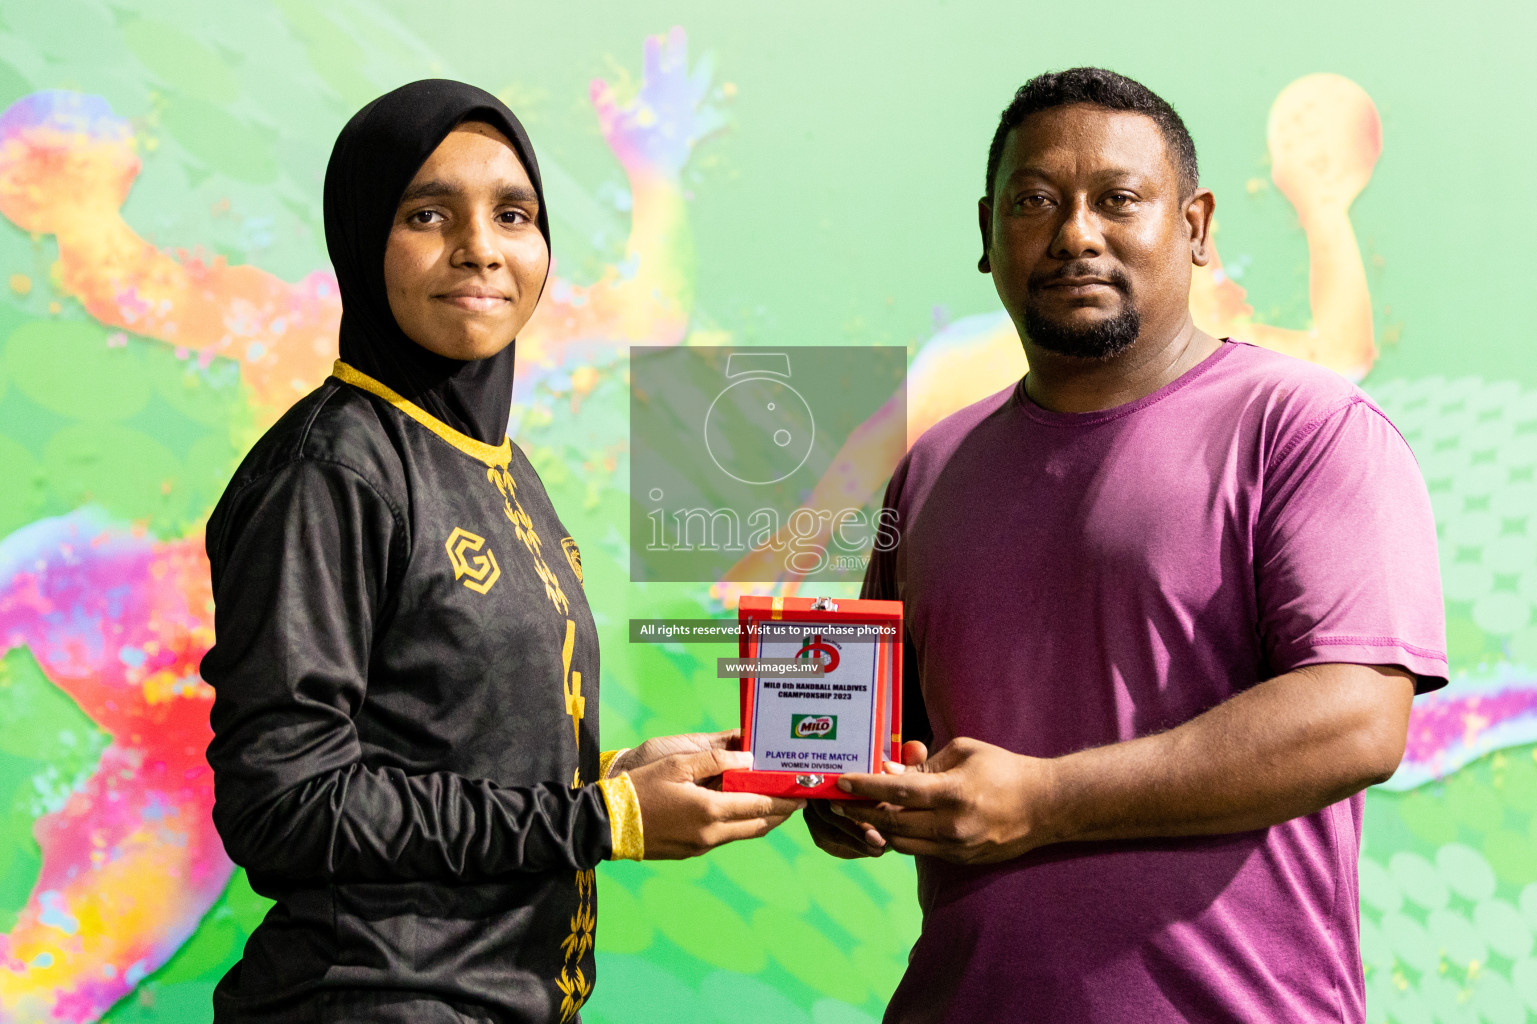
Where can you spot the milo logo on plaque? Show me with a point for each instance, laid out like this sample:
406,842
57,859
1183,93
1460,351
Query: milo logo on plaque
814,727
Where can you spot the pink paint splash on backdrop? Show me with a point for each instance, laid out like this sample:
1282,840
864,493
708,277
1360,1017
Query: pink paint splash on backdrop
131,862
1472,717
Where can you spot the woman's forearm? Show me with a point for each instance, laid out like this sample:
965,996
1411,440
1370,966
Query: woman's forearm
359,824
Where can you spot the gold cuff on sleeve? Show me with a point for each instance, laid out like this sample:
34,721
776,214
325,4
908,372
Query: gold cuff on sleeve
624,817
607,758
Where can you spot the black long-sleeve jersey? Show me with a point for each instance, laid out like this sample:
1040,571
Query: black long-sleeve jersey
405,723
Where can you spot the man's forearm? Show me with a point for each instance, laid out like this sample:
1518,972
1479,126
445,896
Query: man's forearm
1283,748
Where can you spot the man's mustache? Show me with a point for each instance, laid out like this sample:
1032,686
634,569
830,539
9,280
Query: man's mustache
1114,278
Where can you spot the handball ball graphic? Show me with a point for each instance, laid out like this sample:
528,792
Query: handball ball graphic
759,429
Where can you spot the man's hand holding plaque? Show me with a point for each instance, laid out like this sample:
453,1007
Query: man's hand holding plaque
841,829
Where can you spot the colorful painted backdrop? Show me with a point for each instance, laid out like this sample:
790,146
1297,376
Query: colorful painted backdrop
799,173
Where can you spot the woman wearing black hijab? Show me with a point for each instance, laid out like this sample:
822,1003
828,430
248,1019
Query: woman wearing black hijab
405,723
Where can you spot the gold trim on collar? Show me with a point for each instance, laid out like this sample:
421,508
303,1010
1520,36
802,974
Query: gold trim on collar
499,455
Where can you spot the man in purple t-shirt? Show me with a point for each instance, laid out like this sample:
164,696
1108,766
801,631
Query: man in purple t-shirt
1168,600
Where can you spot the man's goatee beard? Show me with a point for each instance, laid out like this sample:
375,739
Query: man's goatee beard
1104,340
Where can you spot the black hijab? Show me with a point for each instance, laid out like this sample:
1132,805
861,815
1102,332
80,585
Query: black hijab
376,156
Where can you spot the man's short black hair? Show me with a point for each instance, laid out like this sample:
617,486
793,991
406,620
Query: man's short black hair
1105,89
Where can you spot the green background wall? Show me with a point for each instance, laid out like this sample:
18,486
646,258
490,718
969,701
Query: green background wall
830,199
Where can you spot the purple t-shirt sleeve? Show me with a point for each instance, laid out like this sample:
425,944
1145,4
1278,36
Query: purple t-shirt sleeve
1345,549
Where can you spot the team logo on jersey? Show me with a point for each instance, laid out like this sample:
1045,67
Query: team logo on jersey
814,727
475,570
574,556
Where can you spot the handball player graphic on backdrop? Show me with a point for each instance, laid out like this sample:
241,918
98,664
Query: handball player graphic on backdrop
406,670
1168,600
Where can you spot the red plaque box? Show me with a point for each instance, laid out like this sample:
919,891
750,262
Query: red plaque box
806,729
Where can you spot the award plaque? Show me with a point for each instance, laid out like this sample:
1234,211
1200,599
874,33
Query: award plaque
826,697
